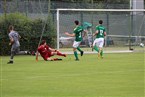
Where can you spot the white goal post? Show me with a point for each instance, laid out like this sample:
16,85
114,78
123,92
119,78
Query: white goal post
89,10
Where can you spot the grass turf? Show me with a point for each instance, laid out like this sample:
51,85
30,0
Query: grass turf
117,75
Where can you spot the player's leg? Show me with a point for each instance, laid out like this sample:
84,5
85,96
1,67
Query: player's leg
53,59
101,53
98,41
47,57
58,53
11,57
94,45
96,48
101,43
75,54
75,45
102,48
57,59
13,52
17,50
81,51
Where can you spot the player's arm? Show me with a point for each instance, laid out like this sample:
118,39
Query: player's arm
19,37
37,53
105,33
95,33
68,34
11,41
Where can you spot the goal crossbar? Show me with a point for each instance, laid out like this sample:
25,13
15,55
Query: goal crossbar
104,10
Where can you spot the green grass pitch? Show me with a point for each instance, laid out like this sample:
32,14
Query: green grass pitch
117,75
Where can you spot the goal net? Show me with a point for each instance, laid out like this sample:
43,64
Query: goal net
124,27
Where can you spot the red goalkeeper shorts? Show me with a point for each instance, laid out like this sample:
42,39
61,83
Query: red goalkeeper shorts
46,56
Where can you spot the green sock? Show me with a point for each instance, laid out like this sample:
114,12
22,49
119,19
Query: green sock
101,53
96,48
79,49
75,54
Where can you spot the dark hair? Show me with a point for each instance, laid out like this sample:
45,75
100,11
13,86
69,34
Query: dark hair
42,42
100,21
76,22
11,27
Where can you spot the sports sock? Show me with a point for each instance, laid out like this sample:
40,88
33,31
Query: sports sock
96,48
101,53
76,55
78,48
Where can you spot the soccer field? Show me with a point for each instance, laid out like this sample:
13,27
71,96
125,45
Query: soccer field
117,75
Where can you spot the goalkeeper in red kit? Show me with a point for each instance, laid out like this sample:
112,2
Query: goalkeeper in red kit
46,52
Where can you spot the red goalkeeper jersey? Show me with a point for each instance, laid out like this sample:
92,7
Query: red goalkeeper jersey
44,51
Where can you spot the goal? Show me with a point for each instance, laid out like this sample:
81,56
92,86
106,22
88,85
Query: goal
124,27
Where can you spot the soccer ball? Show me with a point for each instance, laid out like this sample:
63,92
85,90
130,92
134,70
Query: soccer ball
141,45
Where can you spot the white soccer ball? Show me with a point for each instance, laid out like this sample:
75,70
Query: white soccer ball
141,45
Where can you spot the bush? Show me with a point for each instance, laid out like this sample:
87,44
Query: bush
29,30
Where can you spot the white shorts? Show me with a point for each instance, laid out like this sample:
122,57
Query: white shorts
99,42
76,44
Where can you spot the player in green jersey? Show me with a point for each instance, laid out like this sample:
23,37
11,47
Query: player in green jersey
77,33
99,41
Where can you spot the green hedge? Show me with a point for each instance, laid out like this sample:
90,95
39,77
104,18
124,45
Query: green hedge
29,30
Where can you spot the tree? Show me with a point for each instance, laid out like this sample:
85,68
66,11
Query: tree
29,30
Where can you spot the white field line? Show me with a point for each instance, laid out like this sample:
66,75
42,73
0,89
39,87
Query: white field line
75,75
94,52
91,73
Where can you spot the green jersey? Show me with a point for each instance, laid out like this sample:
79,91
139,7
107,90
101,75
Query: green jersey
78,33
101,30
